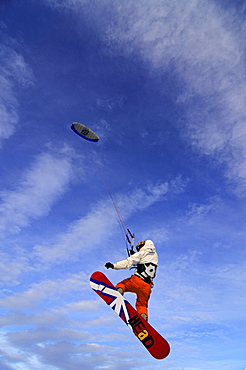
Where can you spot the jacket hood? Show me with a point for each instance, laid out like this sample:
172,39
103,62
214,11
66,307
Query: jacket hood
148,246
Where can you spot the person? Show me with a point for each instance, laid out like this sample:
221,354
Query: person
146,261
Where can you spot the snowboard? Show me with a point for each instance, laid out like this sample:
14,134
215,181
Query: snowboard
157,346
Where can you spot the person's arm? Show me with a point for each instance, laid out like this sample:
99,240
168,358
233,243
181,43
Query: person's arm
125,264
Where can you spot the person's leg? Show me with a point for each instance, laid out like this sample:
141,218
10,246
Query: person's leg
143,290
143,296
122,286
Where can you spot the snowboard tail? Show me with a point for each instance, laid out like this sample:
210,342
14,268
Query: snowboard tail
157,346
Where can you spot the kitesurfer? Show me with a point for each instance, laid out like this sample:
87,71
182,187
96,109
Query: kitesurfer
145,260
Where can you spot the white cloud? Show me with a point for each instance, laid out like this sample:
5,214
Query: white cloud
100,223
13,69
45,290
42,184
82,234
202,43
8,109
11,267
81,306
200,293
198,212
17,318
8,119
158,235
45,337
71,4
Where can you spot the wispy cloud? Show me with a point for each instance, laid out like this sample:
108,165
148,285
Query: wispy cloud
100,223
199,42
12,267
13,69
72,352
198,212
50,317
46,179
58,326
38,293
207,294
159,235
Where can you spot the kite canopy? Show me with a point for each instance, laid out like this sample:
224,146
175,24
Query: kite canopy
84,132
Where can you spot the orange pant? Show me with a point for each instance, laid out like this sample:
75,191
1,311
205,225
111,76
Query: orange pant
136,285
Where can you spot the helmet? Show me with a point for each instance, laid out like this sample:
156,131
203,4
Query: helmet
140,245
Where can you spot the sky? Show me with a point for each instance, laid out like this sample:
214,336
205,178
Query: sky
163,84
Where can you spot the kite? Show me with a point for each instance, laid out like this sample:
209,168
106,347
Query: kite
84,132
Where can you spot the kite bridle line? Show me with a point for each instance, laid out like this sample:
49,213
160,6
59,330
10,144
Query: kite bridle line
127,235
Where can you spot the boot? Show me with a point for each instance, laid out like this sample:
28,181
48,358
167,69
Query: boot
144,316
121,291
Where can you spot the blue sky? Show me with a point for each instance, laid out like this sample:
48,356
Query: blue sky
163,84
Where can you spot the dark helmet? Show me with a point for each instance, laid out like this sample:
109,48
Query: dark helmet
140,245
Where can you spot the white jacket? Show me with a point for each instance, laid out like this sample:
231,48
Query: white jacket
146,255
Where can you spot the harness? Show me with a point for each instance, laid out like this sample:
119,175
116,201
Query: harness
146,271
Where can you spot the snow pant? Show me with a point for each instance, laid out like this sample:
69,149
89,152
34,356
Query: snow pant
134,284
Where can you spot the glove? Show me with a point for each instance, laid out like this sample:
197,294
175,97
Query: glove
109,265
